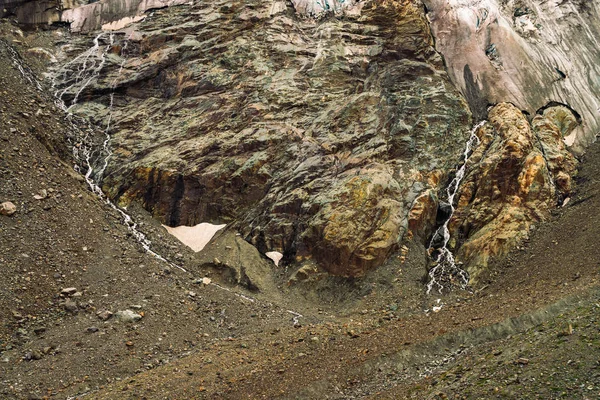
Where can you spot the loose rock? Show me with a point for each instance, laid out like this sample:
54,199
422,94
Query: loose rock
7,208
127,316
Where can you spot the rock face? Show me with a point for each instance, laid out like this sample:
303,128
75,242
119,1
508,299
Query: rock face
311,138
82,15
528,52
324,130
96,14
32,12
516,177
317,8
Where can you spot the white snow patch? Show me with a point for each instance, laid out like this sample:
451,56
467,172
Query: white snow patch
195,237
275,256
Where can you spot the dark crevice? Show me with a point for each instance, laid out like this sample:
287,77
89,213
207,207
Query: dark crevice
176,201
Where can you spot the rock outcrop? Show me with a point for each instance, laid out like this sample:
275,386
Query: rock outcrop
325,130
516,176
82,15
318,8
312,138
32,12
528,52
95,15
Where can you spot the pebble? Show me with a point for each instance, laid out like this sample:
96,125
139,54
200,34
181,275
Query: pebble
41,195
68,291
7,208
127,316
92,329
70,305
104,315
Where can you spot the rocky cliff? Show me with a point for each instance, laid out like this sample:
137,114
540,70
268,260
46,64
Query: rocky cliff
312,138
517,174
531,53
327,130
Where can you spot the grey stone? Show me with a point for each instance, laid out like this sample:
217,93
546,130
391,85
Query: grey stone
70,306
127,316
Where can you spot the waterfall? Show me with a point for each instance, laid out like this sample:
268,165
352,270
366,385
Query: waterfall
21,67
446,269
75,76
81,71
113,86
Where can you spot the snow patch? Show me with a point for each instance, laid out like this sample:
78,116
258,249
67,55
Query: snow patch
195,237
275,256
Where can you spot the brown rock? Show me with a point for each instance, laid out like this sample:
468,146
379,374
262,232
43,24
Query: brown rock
104,315
509,185
7,208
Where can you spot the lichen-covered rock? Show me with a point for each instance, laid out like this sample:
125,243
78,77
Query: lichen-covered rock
239,262
510,184
551,127
359,223
312,138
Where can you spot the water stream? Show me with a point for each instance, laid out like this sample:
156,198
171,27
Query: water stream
74,77
446,271
21,67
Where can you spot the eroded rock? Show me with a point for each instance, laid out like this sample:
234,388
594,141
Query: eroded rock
515,51
310,137
510,184
239,262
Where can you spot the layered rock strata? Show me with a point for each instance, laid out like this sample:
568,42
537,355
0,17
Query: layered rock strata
81,15
99,14
312,138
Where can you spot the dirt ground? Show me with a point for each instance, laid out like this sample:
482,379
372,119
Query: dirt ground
533,320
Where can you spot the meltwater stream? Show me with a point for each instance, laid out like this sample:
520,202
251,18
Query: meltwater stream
446,271
74,77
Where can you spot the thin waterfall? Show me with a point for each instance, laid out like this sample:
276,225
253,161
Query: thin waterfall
21,67
446,268
76,76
